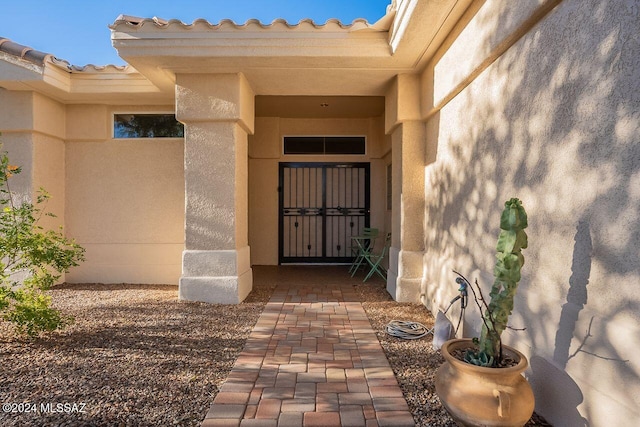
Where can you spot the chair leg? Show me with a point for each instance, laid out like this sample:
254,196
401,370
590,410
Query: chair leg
368,275
375,268
363,256
353,264
356,265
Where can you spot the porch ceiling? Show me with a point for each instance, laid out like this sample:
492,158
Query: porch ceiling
319,106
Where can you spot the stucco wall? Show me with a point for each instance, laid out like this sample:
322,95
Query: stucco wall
553,121
32,128
265,152
48,156
16,128
48,173
124,201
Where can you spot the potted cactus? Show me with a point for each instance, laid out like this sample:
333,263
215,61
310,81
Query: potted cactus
487,388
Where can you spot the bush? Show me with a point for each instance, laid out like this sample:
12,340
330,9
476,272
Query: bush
31,259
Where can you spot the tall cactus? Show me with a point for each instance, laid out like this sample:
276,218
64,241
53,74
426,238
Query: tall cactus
509,261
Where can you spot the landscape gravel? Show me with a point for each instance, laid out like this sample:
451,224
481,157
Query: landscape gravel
136,356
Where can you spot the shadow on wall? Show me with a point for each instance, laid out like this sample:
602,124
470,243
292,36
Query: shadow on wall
564,392
577,295
554,121
564,389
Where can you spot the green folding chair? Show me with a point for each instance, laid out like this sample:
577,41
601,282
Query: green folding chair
374,260
363,244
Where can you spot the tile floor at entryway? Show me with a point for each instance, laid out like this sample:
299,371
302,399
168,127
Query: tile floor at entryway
312,359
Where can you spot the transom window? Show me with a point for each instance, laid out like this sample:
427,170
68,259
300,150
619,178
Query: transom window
324,145
147,126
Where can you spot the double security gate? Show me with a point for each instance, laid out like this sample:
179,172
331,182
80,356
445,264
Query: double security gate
321,206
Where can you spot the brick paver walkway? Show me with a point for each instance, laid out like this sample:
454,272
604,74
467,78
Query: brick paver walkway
311,360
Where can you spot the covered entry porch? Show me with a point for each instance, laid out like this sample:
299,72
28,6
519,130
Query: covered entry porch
241,89
304,205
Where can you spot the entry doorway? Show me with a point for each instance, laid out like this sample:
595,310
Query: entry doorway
321,205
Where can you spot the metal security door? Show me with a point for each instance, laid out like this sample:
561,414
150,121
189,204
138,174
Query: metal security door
321,206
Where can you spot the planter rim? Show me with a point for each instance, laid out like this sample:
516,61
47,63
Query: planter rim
466,342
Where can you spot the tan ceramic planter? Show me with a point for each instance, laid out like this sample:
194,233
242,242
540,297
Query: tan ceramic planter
478,396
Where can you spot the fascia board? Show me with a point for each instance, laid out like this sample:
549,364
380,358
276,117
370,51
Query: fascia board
112,83
421,27
242,45
56,77
401,22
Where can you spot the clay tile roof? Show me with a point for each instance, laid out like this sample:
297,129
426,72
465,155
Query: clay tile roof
227,24
23,52
61,63
40,58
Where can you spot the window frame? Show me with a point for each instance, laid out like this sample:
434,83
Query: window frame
366,145
140,113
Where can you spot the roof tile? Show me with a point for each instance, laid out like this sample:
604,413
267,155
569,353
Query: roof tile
23,52
40,58
227,24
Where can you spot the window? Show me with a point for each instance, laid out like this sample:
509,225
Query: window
147,126
324,145
389,183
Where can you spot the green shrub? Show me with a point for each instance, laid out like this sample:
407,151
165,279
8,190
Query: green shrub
31,259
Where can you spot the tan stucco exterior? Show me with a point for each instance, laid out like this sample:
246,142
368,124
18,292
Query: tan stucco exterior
548,121
125,205
470,102
218,111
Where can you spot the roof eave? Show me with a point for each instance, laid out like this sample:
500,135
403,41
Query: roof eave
161,49
401,42
23,68
109,85
420,28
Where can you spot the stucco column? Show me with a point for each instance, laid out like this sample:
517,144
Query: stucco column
408,134
218,113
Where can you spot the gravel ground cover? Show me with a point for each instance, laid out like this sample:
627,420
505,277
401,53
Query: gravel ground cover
135,356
